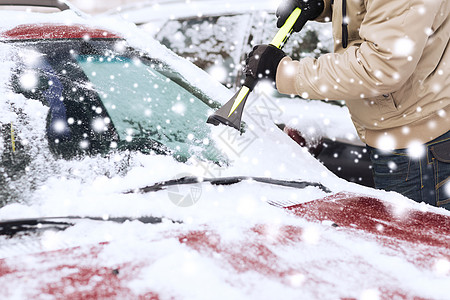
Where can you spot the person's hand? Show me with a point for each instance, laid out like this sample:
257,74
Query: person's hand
311,9
263,62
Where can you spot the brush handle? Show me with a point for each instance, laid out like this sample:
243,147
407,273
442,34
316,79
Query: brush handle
278,41
230,113
250,82
285,31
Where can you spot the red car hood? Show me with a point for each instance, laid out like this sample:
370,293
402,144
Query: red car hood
291,261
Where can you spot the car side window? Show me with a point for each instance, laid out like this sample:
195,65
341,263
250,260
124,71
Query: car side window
144,102
101,100
59,84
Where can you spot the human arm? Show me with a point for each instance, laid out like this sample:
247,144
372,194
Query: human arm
393,36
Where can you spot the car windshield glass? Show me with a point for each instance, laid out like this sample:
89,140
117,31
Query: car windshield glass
143,102
101,98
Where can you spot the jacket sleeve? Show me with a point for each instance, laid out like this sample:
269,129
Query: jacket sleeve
393,35
325,16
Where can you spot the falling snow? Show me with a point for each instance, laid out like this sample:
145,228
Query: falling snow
248,249
404,47
29,80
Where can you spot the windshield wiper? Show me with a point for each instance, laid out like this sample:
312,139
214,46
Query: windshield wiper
228,181
14,226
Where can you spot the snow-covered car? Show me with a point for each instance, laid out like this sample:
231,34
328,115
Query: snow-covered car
97,205
216,36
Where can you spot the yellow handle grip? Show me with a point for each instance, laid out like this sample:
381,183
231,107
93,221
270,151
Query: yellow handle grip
286,29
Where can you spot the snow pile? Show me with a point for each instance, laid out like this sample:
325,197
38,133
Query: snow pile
318,119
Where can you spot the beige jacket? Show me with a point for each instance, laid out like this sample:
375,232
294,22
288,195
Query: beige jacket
394,74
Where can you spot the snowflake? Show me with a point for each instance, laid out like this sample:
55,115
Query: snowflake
59,126
99,125
311,235
29,80
446,189
386,143
370,294
404,47
416,150
442,267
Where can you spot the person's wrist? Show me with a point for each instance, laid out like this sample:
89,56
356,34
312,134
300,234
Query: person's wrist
277,55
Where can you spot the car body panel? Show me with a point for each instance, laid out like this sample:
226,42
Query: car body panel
284,256
53,31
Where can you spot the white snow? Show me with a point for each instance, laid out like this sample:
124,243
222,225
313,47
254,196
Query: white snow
95,187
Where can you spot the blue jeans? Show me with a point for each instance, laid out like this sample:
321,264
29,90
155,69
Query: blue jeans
424,179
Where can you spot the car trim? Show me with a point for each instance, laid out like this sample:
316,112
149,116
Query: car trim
14,226
228,181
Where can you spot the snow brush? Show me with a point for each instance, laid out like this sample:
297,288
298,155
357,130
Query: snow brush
230,113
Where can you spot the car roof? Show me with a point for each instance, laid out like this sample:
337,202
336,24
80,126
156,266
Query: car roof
29,27
55,31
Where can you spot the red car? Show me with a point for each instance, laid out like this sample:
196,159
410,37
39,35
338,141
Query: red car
342,246
76,231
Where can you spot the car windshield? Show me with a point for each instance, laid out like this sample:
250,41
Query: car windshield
129,101
143,102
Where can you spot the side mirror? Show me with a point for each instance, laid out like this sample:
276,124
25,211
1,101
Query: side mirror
297,136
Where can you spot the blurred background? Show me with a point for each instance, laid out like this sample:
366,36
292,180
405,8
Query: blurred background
95,7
